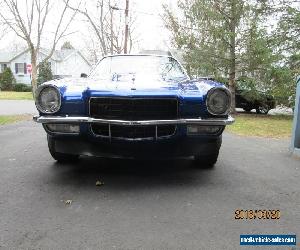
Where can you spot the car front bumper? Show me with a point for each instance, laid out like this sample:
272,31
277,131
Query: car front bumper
178,145
82,119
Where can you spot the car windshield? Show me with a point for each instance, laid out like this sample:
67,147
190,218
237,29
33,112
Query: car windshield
124,68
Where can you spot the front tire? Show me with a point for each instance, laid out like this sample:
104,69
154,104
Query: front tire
247,109
208,160
60,157
262,110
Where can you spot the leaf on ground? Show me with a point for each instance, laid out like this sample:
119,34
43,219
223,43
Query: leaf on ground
99,183
68,202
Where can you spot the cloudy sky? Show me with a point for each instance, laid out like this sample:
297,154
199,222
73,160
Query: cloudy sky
149,27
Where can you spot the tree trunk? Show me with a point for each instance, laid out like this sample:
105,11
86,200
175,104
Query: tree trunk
232,79
232,66
34,71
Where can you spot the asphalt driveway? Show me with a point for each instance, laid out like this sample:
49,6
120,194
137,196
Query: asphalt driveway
142,204
17,107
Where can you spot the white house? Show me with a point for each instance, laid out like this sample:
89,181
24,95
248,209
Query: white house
64,63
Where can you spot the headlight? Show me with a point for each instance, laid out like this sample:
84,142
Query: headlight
48,99
218,101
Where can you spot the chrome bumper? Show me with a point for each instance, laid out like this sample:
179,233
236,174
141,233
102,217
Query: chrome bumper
74,119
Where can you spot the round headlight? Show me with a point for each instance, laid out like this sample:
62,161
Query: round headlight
48,99
218,101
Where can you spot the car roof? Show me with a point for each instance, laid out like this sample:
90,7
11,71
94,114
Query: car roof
156,55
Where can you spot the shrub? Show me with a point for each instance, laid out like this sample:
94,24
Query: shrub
45,73
20,87
7,79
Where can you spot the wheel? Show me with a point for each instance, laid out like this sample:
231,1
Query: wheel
208,160
262,110
60,157
247,109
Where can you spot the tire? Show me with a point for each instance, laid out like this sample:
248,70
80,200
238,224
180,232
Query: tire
262,110
247,109
208,160
60,157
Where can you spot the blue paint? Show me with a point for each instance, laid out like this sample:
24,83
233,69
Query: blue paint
295,145
191,94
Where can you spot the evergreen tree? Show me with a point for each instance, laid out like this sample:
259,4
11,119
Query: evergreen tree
235,39
7,79
286,43
67,45
45,73
210,33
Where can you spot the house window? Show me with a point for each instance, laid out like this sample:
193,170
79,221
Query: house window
20,68
3,67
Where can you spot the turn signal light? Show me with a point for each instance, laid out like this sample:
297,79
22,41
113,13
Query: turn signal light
202,130
63,128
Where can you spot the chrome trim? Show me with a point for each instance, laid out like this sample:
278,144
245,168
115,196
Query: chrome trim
83,119
109,130
155,137
209,94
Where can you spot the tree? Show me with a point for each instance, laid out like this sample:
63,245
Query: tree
28,22
286,44
214,36
7,79
67,45
107,22
45,73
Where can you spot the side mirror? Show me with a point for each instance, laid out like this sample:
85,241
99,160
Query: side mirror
83,75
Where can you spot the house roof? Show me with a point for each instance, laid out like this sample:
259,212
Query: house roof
5,57
58,55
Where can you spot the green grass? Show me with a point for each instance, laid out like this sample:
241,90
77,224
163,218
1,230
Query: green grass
11,95
7,119
262,125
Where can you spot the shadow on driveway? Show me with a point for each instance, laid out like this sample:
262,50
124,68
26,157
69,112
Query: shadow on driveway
129,174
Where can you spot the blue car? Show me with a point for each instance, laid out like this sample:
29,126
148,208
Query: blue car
134,106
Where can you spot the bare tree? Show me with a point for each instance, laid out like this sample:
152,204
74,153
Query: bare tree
3,30
27,19
107,22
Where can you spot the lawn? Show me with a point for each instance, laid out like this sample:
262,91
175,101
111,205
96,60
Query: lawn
7,119
279,126
11,95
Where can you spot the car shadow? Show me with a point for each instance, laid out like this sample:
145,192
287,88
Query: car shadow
126,174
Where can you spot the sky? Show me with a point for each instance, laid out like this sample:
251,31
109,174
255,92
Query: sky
153,34
149,28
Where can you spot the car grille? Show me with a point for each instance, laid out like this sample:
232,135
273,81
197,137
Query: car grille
133,132
134,108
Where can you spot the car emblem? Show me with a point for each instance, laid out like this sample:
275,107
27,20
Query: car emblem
106,107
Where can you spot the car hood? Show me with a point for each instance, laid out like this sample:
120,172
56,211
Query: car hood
76,93
92,87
